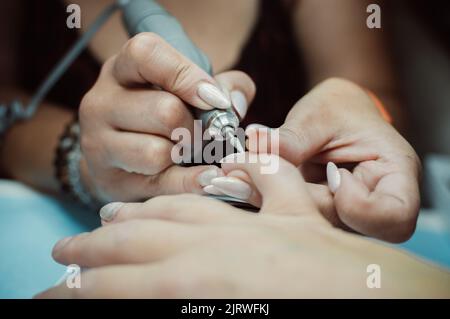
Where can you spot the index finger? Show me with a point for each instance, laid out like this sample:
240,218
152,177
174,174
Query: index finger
148,59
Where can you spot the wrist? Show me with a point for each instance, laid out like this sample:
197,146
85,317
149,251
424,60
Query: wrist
89,184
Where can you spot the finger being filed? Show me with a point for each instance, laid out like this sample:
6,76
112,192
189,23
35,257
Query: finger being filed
147,58
150,112
201,210
175,179
134,241
281,185
179,179
139,153
388,212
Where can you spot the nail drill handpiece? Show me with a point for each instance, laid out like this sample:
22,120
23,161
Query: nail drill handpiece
148,16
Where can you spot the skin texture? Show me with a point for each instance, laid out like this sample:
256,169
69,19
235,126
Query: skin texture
208,249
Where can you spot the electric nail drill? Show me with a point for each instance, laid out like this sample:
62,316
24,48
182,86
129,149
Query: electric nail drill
148,16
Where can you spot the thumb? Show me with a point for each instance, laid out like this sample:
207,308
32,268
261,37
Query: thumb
304,134
380,211
281,185
241,89
302,137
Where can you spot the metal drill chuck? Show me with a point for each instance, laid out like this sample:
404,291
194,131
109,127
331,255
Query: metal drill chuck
221,121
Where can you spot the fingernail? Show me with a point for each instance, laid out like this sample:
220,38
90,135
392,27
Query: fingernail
233,187
205,177
108,212
213,96
211,189
60,244
239,102
333,177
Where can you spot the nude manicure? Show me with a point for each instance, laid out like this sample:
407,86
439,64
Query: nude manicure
109,211
333,177
213,96
211,189
205,177
233,187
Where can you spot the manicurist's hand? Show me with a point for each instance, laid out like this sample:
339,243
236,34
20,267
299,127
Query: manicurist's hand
127,119
187,246
376,190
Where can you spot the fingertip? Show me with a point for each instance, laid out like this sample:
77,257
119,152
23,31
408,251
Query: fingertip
59,247
333,177
239,101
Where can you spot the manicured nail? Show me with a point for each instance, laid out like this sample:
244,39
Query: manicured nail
108,212
333,177
205,177
239,102
213,96
211,189
233,187
60,244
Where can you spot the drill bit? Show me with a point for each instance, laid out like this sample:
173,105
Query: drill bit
234,141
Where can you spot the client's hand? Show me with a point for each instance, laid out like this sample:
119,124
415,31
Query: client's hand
186,246
127,120
378,193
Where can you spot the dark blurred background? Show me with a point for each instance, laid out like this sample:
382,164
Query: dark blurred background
419,32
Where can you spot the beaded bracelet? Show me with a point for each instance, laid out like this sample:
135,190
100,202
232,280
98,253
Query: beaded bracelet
67,166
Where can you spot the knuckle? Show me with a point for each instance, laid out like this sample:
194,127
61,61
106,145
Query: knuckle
180,78
88,107
170,111
157,152
405,224
142,46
